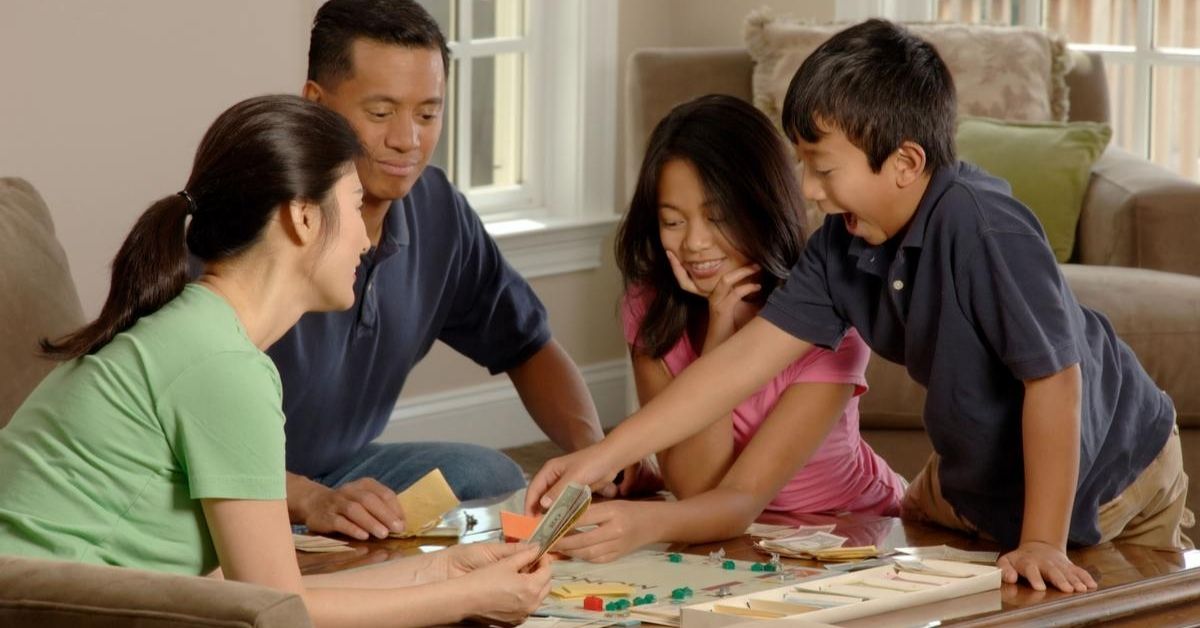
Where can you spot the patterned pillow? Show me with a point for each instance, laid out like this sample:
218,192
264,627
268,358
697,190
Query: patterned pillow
1002,72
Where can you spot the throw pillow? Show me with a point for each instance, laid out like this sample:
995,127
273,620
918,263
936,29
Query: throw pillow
1026,82
1047,164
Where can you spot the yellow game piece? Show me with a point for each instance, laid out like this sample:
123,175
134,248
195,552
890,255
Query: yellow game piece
584,589
425,502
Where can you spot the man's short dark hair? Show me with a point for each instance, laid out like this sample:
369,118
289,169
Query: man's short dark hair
339,22
881,86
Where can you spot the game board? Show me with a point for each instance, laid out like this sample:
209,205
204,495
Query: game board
653,572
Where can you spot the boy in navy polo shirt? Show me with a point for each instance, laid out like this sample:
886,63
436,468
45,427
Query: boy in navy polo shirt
1039,415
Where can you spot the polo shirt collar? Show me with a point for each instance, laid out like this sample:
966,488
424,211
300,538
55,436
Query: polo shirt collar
395,228
914,237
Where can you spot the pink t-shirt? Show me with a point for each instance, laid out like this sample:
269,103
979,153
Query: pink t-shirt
844,473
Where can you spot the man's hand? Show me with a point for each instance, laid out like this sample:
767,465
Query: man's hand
641,478
359,509
1039,562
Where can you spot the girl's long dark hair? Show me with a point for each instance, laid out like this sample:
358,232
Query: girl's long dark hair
748,173
257,156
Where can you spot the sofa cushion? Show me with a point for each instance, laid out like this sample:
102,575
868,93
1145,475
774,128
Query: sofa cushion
1027,82
1048,165
36,592
40,298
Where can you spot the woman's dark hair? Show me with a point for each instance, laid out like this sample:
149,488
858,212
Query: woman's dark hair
748,174
339,23
258,155
881,86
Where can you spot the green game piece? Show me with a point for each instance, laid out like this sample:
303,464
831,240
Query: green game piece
611,607
675,558
623,603
768,567
756,567
646,599
681,593
729,564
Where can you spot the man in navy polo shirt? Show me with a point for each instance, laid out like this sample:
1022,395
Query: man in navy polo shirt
433,273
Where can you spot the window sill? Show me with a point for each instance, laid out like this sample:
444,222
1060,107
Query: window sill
539,248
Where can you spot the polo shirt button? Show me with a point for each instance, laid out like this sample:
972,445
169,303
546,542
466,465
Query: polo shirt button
898,285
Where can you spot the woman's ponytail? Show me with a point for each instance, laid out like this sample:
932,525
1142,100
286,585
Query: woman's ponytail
149,270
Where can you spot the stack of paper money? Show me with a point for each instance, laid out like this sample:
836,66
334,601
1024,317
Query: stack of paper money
319,544
816,545
561,517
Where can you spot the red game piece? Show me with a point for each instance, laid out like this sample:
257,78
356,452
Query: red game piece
593,603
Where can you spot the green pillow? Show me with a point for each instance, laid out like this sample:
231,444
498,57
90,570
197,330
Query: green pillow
1048,165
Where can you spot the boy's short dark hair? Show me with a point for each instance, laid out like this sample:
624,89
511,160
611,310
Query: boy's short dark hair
339,22
881,86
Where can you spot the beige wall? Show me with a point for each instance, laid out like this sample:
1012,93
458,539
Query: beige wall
103,104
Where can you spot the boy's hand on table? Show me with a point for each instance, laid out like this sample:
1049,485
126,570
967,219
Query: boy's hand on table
1040,563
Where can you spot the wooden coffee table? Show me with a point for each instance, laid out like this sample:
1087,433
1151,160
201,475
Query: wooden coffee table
1138,586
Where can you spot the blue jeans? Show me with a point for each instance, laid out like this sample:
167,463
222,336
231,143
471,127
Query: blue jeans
473,472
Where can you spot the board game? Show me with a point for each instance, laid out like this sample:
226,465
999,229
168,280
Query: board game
904,584
659,583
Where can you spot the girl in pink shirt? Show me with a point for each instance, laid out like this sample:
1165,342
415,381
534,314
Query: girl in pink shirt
715,224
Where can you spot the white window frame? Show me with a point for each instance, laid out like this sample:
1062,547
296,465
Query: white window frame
1143,56
557,219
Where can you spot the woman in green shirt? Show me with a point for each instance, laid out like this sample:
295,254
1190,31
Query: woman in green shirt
158,442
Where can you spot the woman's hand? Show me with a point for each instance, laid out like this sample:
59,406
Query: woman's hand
622,528
497,591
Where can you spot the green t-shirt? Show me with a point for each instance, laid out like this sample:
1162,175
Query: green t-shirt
106,459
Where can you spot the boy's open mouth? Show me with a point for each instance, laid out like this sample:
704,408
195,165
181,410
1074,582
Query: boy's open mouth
851,221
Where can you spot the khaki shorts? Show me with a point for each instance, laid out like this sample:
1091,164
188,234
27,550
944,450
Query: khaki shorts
1150,511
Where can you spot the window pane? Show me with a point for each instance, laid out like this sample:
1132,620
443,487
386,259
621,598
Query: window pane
1111,22
1122,99
443,155
986,11
1175,125
497,18
443,12
1177,24
497,103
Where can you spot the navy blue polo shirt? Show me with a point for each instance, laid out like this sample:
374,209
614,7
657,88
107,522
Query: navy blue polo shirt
435,275
971,301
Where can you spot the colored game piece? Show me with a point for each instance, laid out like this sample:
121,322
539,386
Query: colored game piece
593,603
756,567
682,593
611,606
675,558
645,599
729,564
769,567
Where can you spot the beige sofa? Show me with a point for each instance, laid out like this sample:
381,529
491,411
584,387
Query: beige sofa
40,301
1138,221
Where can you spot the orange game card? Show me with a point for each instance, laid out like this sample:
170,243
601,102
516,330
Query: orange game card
517,527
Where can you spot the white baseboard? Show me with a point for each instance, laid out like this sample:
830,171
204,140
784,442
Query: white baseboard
492,415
